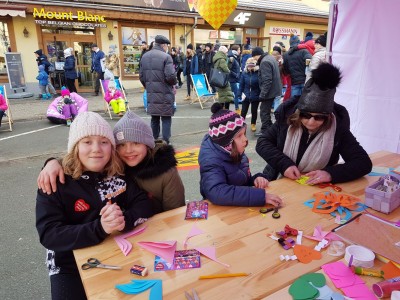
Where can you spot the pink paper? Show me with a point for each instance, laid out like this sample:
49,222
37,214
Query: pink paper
319,235
193,232
124,244
165,250
341,275
210,253
359,291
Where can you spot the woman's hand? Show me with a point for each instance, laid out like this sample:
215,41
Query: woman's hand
275,200
260,182
292,172
318,176
112,218
47,179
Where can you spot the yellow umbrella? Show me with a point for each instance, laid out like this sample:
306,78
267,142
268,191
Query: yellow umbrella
216,12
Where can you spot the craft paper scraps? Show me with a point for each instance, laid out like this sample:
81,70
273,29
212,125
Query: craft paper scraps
390,270
306,254
302,289
166,249
139,286
344,279
320,235
193,232
216,12
210,253
302,180
124,244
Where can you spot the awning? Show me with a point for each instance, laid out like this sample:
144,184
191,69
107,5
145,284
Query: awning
13,11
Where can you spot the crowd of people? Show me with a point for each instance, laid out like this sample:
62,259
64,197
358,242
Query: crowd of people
113,180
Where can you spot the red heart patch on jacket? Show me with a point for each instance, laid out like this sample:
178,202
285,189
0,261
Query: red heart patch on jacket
81,205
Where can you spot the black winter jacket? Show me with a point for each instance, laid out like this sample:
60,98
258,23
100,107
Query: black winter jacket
69,219
356,161
294,64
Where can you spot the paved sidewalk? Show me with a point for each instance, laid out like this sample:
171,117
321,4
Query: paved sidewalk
35,109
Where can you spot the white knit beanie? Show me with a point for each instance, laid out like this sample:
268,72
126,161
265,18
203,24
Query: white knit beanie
132,128
223,49
67,52
87,124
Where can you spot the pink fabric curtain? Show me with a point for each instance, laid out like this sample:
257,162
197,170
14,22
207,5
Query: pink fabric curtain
366,47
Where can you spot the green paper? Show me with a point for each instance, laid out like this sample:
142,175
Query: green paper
301,289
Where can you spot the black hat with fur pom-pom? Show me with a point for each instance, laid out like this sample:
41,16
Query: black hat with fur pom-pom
224,125
319,91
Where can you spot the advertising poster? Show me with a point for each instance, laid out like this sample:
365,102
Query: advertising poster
133,36
15,71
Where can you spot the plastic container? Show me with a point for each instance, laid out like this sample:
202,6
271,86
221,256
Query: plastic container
381,201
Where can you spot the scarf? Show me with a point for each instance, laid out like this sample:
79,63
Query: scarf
318,152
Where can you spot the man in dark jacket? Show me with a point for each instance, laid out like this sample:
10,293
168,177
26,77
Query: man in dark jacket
207,61
294,64
42,60
234,75
98,59
270,83
157,74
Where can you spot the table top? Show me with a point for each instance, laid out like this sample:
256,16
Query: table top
240,237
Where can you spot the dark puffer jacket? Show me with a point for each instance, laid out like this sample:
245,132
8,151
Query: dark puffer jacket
249,85
69,68
157,74
224,182
294,64
270,146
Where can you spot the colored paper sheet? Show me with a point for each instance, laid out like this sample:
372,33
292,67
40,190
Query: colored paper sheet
320,234
302,289
210,253
166,249
197,210
306,254
216,12
341,275
124,244
193,232
183,259
359,291
390,270
139,286
302,180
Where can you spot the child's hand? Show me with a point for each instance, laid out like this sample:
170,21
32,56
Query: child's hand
112,218
261,182
47,179
275,200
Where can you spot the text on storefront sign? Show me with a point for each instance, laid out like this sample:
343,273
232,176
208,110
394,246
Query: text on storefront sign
284,30
68,16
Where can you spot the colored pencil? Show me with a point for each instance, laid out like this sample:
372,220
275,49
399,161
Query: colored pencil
223,275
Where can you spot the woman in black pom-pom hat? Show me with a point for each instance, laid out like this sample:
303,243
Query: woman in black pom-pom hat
311,132
224,168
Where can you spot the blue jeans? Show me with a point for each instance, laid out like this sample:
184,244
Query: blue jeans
235,89
296,90
166,127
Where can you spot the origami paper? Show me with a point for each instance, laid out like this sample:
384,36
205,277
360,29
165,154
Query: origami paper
193,232
124,244
306,254
390,270
216,12
139,286
301,288
210,253
320,235
302,180
166,249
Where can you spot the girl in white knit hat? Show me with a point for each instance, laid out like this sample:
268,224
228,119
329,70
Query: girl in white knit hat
94,202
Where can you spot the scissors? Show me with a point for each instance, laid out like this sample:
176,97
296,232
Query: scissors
95,263
328,184
189,297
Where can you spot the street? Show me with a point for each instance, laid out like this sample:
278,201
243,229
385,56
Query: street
22,154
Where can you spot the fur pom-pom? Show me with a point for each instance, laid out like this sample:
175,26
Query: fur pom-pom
326,76
216,107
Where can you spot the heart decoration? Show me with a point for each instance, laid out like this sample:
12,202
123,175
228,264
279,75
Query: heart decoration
216,12
81,205
306,254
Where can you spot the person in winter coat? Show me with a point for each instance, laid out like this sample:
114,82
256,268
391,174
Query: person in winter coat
225,177
157,75
234,75
319,55
191,68
208,62
270,85
94,202
310,133
3,107
112,62
43,79
308,43
220,62
151,164
98,67
249,86
246,54
41,59
294,64
70,70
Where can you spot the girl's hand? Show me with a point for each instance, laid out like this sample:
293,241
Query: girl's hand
275,200
318,176
47,179
292,173
261,182
112,218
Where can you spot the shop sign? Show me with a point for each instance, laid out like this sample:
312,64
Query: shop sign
284,30
67,19
242,18
15,70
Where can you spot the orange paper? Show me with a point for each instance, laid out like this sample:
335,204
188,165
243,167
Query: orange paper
325,203
390,270
306,254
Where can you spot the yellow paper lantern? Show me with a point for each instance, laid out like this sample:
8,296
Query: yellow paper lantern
216,12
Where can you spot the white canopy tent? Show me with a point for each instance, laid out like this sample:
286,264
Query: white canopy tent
364,41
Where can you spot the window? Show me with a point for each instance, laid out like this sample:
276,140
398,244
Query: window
4,47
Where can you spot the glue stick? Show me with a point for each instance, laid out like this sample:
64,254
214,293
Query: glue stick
385,288
367,272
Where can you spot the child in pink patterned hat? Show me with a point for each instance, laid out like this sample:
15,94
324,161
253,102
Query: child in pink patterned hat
224,168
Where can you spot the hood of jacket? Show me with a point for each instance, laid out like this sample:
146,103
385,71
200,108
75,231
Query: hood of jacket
164,159
219,55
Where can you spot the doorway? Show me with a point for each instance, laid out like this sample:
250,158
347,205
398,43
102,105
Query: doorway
54,46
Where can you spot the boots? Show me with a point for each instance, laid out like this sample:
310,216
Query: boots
253,127
44,96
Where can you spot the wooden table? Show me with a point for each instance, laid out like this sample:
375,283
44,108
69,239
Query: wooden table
239,235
